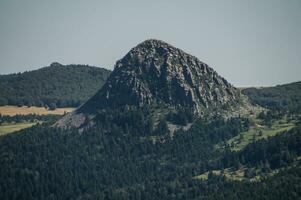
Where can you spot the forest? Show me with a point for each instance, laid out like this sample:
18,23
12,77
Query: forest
132,159
285,97
54,86
130,152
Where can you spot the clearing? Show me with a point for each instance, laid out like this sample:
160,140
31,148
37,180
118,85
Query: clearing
24,110
12,127
258,132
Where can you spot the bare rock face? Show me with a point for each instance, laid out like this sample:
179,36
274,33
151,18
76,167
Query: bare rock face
155,72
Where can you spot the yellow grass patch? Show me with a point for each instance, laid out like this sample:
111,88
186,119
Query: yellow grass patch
14,110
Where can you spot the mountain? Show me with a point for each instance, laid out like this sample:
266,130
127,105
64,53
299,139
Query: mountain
285,97
156,73
58,85
147,134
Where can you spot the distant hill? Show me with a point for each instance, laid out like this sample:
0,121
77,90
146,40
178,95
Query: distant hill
54,86
281,97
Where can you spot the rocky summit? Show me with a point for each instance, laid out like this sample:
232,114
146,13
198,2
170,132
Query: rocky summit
155,72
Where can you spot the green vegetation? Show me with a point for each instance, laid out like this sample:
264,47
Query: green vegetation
245,173
6,128
229,173
146,139
281,97
266,154
58,86
129,153
259,159
111,160
258,132
118,159
10,124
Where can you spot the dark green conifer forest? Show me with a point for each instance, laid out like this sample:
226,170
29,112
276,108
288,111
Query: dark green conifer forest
122,158
281,97
53,86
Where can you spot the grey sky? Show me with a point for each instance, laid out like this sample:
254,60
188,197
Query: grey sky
250,43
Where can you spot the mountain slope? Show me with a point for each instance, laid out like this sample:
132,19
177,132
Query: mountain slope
62,85
156,73
285,97
50,163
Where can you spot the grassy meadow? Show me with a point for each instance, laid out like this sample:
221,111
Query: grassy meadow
7,128
24,110
258,132
10,127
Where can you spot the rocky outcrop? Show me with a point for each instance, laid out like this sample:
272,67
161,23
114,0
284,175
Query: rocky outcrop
155,72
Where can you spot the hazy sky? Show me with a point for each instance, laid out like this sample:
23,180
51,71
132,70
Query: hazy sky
250,43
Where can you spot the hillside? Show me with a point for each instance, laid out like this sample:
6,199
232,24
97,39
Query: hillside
126,162
53,86
155,131
285,97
